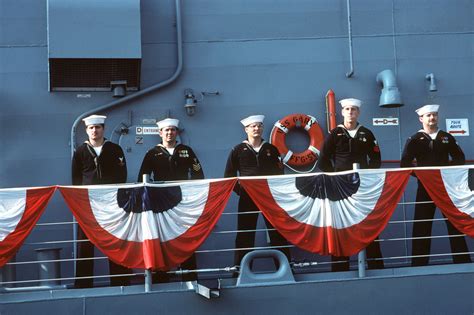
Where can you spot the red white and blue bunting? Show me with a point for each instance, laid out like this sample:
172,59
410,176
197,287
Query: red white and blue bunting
452,190
20,209
160,226
337,214
153,226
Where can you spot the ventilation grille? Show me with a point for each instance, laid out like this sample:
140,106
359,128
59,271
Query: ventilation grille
68,74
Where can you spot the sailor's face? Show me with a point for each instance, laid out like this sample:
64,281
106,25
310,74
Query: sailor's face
169,134
95,132
350,113
429,119
254,130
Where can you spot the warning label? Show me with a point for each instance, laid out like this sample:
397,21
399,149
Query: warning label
458,127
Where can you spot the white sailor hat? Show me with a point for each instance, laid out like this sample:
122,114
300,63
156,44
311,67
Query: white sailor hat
94,120
430,108
350,102
252,119
168,122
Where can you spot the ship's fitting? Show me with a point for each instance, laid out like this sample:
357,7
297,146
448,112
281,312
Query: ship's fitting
191,100
390,95
118,88
431,78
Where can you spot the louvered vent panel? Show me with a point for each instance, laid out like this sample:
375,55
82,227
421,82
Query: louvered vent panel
93,74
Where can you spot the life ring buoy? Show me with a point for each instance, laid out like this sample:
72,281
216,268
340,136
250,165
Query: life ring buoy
315,133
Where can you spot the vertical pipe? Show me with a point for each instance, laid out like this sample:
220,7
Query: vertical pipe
50,267
123,100
8,273
401,144
331,110
148,273
159,85
361,263
361,256
349,31
148,277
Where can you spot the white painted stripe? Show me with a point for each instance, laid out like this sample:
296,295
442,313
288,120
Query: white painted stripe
310,123
287,156
314,150
281,127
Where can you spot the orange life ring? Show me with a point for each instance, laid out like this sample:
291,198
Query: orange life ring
315,133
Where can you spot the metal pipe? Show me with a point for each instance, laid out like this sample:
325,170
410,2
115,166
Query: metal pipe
8,274
349,31
387,79
431,78
51,269
148,273
361,256
36,288
148,280
146,91
390,95
330,110
123,100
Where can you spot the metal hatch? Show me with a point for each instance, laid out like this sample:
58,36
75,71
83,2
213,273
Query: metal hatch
92,43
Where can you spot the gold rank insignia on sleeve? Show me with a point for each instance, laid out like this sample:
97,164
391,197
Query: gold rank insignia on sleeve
196,165
121,161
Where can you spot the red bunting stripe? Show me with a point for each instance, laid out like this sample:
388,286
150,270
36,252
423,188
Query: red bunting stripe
151,253
329,240
36,200
432,180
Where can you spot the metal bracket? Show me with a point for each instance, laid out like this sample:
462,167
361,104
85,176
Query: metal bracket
205,291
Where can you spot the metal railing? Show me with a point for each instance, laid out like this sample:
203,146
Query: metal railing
300,263
55,269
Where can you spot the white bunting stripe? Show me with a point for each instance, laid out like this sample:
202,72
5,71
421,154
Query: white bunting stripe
147,225
456,182
12,207
324,212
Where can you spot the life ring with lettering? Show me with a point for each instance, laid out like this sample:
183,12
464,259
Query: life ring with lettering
294,121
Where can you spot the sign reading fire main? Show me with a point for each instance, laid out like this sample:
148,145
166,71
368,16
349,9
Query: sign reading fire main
458,127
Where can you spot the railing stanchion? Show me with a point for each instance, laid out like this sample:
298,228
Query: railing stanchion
8,273
148,273
148,280
361,256
49,268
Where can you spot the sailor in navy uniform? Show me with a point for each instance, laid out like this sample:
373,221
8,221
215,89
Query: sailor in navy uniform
253,157
169,161
97,161
347,144
431,146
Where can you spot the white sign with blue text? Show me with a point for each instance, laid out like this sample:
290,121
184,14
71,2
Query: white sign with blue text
458,127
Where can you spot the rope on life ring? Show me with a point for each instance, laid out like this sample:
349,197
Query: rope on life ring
316,139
